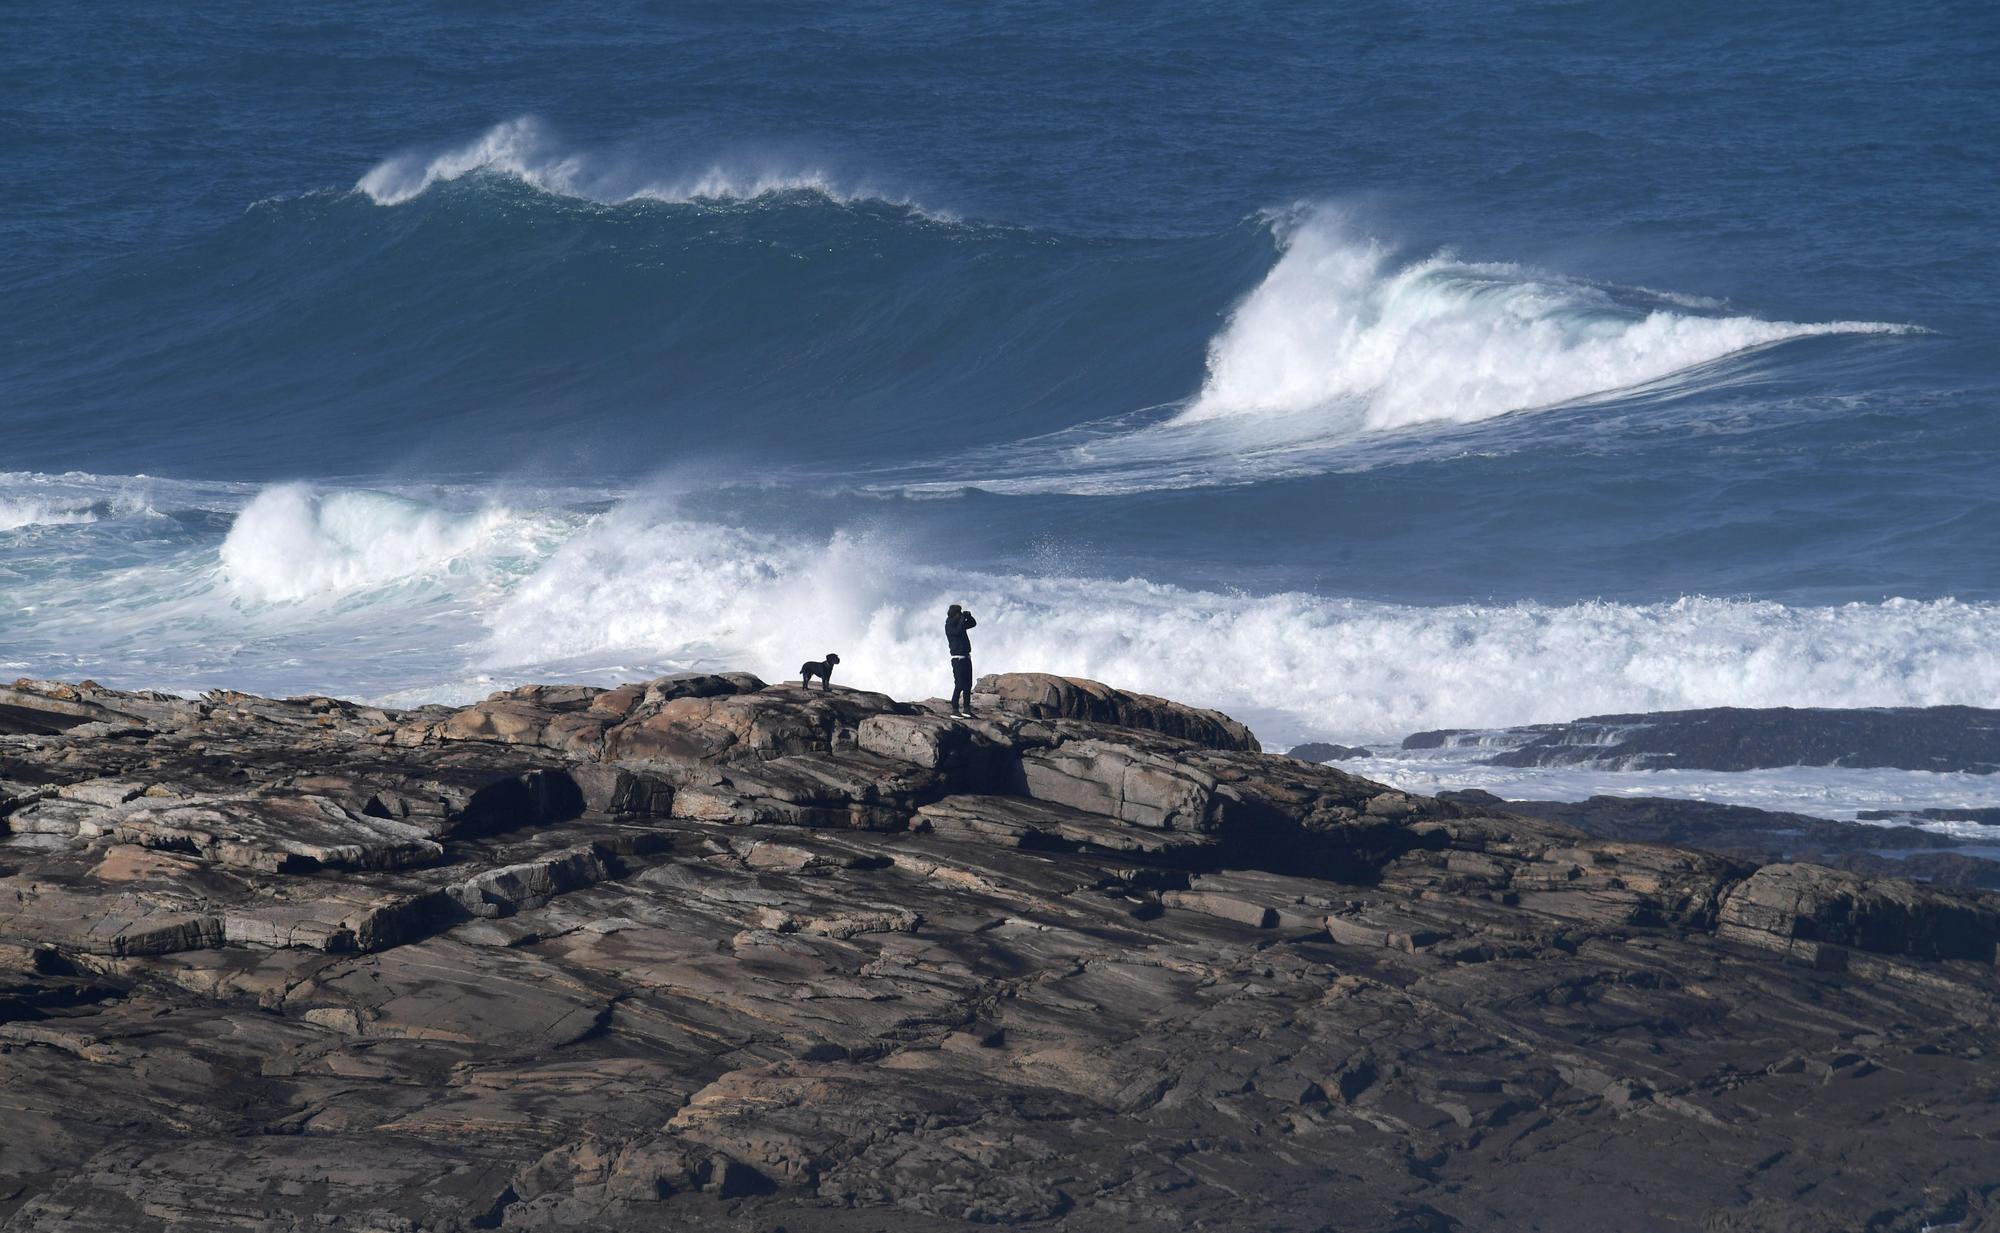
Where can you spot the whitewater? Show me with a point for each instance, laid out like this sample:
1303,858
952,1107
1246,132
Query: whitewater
402,600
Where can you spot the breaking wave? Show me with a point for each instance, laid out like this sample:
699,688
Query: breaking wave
408,597
527,150
293,542
1343,324
639,587
1346,356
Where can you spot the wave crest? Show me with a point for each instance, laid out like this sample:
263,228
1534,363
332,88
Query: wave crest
526,150
1340,324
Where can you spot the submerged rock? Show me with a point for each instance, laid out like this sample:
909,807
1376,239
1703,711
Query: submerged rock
703,953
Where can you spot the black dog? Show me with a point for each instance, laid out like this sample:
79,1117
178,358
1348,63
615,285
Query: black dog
823,669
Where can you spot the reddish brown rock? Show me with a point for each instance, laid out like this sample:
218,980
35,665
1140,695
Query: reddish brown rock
1043,696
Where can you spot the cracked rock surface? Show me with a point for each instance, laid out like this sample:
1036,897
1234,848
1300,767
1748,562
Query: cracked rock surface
703,953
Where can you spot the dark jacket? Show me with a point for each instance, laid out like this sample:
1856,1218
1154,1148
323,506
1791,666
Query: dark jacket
954,633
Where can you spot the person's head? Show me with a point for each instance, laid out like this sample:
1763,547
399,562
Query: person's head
954,610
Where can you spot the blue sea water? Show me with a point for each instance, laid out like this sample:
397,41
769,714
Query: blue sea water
1355,368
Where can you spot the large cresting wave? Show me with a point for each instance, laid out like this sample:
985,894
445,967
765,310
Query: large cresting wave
1348,355
1343,324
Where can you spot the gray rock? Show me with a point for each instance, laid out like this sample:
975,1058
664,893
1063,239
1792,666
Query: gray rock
1790,906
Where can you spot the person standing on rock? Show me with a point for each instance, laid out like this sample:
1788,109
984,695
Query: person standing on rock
956,621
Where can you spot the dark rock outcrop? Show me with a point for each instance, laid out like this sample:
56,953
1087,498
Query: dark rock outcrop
1785,906
1320,751
702,953
1935,738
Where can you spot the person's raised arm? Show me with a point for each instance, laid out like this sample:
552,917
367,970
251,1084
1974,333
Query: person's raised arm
967,622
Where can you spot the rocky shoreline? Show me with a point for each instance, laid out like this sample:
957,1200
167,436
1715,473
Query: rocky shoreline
703,953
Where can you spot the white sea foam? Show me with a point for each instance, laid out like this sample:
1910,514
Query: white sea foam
1341,325
379,594
293,542
16,513
525,149
639,586
31,499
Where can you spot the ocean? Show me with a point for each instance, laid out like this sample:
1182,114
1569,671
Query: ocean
1354,369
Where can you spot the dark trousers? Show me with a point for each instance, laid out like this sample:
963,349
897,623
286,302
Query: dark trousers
961,682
